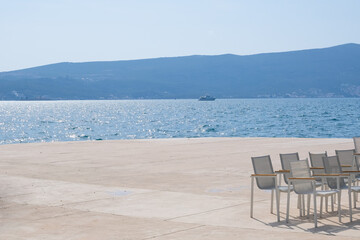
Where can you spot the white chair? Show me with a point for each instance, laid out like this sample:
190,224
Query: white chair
304,184
266,179
333,167
317,167
285,159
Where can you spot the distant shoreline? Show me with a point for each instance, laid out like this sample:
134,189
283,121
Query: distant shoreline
140,99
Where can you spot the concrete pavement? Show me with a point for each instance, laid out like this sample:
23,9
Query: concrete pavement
153,189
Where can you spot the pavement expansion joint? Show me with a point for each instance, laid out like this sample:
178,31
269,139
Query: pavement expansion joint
198,213
170,233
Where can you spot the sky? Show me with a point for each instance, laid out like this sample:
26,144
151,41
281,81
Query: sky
40,32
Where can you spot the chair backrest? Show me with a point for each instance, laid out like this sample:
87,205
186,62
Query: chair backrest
357,144
316,160
332,166
357,150
346,157
263,165
286,159
300,169
357,166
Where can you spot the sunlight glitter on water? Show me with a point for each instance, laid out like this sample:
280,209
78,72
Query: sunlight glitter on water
140,119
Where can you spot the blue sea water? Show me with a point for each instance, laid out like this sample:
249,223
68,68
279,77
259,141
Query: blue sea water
47,121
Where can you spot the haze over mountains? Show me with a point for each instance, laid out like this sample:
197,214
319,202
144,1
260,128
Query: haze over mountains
327,72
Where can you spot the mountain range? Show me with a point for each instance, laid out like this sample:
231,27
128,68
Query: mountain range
326,72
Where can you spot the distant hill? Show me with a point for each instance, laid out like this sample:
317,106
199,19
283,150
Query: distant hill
327,72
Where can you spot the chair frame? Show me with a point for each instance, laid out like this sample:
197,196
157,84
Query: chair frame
253,176
275,188
315,193
349,174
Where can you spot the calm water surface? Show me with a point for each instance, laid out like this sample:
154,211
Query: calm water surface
49,121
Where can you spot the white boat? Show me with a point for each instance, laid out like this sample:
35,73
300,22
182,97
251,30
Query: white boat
206,98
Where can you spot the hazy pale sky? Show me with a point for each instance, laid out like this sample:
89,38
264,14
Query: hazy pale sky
39,32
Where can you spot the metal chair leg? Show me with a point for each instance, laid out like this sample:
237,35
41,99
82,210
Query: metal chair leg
288,204
321,206
304,208
252,197
339,205
300,209
357,194
315,210
279,198
354,199
272,201
326,203
277,193
350,207
308,205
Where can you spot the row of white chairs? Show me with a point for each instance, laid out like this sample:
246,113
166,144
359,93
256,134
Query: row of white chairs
332,173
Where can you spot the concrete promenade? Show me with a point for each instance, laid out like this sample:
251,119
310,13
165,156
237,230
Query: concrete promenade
154,189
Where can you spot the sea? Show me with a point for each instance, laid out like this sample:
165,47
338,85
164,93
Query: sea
52,121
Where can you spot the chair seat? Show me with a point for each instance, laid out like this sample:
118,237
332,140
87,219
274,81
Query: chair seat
326,192
355,188
318,184
285,188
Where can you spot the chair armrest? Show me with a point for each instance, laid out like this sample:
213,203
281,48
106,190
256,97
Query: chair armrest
309,178
282,171
351,171
300,179
330,175
316,168
356,154
263,175
346,165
